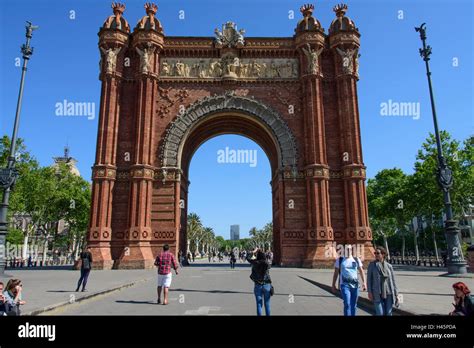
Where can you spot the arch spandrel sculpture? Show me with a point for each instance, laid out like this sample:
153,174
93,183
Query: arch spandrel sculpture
176,134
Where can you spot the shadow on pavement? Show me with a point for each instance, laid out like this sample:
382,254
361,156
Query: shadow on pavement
45,268
413,268
217,265
245,292
362,304
136,302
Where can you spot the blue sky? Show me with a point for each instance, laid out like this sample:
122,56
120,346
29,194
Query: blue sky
65,66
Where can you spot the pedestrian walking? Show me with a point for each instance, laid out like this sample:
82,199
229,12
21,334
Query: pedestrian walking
463,300
263,289
164,262
381,285
346,269
233,259
86,266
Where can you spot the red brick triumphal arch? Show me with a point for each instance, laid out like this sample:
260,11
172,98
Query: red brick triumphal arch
163,96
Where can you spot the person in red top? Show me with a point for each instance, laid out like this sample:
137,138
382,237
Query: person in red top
164,262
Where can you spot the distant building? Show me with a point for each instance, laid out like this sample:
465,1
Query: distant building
466,225
68,160
234,232
71,163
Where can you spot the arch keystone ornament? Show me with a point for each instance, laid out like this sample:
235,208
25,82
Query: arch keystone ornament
175,93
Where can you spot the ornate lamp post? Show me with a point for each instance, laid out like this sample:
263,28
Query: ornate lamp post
455,260
9,174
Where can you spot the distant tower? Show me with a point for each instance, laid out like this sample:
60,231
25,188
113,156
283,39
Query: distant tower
68,160
234,232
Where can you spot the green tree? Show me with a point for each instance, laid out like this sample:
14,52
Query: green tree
428,195
72,202
387,197
24,160
194,232
48,195
34,195
459,160
261,238
15,236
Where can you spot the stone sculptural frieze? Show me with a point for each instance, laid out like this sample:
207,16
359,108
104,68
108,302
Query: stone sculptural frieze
229,66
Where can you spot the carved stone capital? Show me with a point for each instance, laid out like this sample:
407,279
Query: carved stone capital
141,172
351,39
142,38
317,171
313,38
112,38
104,172
354,171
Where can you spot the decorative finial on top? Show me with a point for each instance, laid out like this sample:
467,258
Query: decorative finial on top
118,8
307,10
340,10
150,8
116,21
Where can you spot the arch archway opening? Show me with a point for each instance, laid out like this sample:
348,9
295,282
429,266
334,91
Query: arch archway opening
240,124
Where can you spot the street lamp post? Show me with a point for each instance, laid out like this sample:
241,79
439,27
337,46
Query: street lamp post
9,174
455,260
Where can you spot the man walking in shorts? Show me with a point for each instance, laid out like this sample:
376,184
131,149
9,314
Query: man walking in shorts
164,261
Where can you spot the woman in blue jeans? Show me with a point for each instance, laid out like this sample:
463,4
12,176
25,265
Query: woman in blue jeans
261,277
86,266
381,285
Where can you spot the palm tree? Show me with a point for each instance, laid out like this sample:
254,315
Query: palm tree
194,230
261,238
207,238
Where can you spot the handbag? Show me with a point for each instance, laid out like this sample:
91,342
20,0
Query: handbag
12,309
272,290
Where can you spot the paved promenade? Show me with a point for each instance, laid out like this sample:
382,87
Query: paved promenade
215,289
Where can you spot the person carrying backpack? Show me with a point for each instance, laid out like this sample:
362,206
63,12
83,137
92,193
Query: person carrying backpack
346,269
86,266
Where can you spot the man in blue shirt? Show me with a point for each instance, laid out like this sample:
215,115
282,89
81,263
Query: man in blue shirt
346,268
